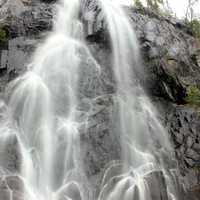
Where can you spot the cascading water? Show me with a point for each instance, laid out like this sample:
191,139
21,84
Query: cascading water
43,103
41,116
143,139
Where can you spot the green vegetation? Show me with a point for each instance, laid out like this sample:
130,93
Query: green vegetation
3,35
162,8
138,4
193,96
154,4
195,27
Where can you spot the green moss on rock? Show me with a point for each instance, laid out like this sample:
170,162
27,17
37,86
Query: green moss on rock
193,96
3,35
194,25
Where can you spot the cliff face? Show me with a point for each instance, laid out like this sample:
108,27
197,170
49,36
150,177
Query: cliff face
170,58
24,23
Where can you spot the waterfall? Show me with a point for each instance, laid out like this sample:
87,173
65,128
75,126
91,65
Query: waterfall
144,140
40,117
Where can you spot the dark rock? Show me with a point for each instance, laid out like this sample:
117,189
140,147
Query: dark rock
25,21
183,123
10,154
12,187
157,185
71,191
99,144
14,57
127,186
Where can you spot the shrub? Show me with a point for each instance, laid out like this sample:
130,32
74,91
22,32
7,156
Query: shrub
155,4
138,4
195,27
193,96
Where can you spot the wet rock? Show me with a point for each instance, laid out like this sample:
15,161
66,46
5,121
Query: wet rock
98,141
14,57
127,186
24,22
69,191
194,193
10,154
183,124
167,49
157,185
11,187
24,19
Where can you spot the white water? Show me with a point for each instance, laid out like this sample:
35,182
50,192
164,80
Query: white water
41,113
143,138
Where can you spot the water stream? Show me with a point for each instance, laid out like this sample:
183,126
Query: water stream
40,117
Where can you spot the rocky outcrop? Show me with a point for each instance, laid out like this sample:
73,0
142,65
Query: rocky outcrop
12,187
25,22
167,52
183,123
171,63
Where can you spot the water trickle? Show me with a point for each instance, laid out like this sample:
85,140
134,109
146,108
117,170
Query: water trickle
41,116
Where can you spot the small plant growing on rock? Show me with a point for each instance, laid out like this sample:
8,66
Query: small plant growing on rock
138,4
3,35
154,4
193,96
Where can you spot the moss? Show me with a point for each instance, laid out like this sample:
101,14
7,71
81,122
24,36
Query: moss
138,4
155,5
193,96
3,35
194,25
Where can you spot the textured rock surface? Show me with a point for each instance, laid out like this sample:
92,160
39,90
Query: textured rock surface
11,187
25,23
167,52
184,125
171,64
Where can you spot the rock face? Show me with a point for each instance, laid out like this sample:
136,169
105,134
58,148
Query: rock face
167,51
171,63
24,23
170,57
11,187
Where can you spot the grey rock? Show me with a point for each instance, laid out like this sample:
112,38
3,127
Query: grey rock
154,182
70,191
10,154
12,187
25,19
157,185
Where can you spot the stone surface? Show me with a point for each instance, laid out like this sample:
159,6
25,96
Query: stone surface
25,23
184,125
127,186
12,187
